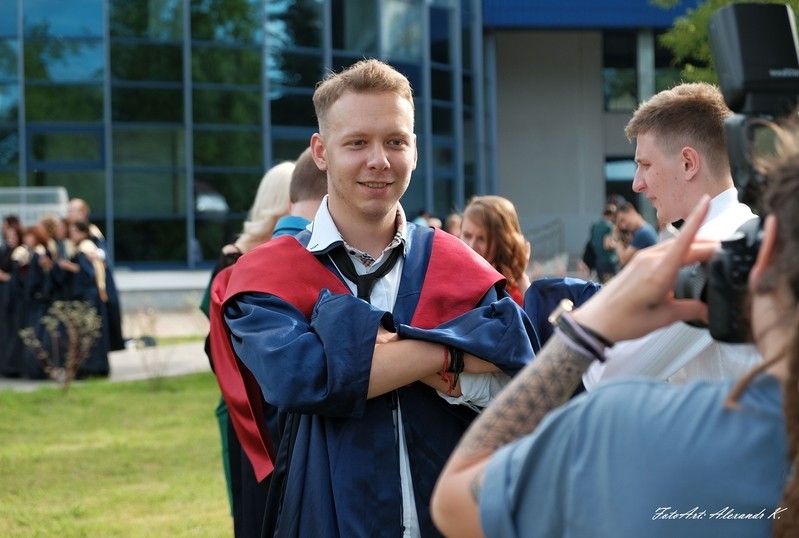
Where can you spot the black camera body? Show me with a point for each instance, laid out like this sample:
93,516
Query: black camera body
757,60
723,284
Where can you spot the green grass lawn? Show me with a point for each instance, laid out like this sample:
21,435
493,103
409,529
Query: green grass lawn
113,460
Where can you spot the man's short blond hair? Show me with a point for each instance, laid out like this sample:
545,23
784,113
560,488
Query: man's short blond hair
365,76
690,114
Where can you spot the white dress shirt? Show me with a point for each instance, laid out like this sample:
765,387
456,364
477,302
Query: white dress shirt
680,353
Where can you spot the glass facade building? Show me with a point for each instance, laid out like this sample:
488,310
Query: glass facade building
164,114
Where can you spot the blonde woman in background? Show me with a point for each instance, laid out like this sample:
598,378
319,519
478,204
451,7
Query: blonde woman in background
247,495
271,203
491,228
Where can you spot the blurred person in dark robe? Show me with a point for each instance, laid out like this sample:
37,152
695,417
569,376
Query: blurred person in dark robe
11,303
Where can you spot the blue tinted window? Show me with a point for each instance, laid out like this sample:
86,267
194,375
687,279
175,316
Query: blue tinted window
132,104
619,75
440,33
295,109
160,20
59,18
288,149
67,147
149,147
442,84
147,62
9,102
466,36
228,148
237,188
413,71
402,29
236,21
149,193
64,60
9,148
88,184
223,106
8,18
355,25
9,50
226,65
61,102
295,24
139,240
288,70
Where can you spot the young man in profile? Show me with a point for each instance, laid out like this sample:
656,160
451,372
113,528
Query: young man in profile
681,152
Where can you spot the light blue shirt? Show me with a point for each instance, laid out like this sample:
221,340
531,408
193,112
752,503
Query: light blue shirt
641,458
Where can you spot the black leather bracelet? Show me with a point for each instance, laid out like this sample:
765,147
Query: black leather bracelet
564,323
596,336
455,360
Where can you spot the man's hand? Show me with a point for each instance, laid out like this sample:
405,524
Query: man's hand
385,336
640,298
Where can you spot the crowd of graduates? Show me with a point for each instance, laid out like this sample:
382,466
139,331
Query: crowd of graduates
55,259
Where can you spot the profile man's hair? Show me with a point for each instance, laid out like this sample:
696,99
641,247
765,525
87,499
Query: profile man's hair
689,114
365,76
308,182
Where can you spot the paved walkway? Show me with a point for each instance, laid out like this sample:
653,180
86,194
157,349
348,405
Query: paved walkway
169,359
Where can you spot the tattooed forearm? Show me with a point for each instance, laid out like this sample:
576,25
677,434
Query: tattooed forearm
543,385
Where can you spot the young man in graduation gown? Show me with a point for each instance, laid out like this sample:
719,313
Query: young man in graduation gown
376,339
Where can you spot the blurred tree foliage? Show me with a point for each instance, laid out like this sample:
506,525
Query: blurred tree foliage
688,38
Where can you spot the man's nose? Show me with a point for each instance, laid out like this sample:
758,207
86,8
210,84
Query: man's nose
638,183
377,157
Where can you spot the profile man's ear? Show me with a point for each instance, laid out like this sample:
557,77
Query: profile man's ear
318,151
690,161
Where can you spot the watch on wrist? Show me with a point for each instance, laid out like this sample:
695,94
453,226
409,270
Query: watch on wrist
564,306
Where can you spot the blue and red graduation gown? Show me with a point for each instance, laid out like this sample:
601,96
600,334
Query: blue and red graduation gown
308,342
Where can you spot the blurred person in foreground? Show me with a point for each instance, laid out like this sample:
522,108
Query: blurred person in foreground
681,152
638,457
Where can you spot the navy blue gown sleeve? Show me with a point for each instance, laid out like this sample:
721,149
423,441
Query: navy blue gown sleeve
496,331
544,294
319,367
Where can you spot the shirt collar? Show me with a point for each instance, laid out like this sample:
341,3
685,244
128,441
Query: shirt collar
325,235
720,202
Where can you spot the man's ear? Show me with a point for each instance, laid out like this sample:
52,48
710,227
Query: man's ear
690,161
767,253
318,151
415,152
